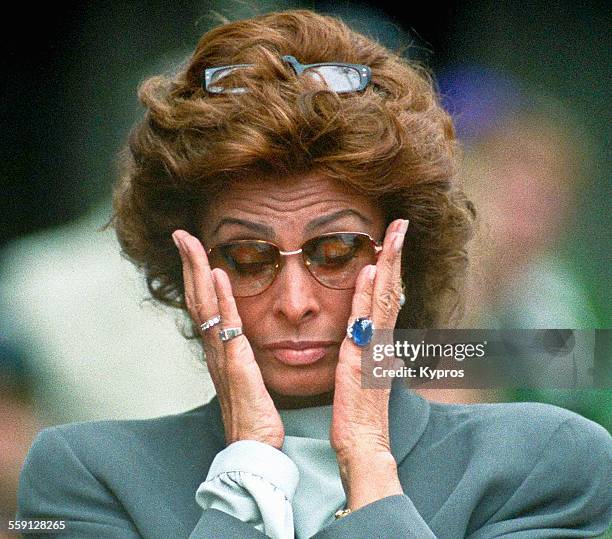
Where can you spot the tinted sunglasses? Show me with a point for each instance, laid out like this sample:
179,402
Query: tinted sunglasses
333,259
339,77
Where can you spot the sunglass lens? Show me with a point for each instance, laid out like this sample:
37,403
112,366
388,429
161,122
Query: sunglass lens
226,81
338,78
250,265
335,260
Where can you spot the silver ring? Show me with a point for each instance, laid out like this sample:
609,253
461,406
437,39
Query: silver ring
228,334
210,322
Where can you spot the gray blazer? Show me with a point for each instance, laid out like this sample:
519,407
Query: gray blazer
519,470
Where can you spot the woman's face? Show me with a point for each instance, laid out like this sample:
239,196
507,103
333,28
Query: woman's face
295,327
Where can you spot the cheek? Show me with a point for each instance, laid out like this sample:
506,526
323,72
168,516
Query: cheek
336,307
346,302
250,311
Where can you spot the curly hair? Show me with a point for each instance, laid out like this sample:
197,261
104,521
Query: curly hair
392,142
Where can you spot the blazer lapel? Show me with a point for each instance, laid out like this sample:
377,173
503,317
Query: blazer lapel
408,418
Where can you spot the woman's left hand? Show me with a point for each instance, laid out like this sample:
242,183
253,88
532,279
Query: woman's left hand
360,424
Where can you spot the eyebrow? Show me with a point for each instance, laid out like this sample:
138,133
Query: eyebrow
325,219
256,227
312,225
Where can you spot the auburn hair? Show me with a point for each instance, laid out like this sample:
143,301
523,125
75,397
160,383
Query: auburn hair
392,142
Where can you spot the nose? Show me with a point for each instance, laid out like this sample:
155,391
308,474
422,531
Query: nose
295,292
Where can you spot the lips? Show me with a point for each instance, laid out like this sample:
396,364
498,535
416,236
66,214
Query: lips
295,353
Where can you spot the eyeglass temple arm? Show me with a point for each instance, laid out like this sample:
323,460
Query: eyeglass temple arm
297,66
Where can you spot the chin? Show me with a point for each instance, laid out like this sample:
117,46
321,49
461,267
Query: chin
297,382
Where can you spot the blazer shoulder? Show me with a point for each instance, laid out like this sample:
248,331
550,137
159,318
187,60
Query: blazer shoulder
100,441
511,418
536,460
524,430
199,417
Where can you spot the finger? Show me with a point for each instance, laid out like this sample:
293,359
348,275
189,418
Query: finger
237,348
362,298
188,289
198,310
202,298
189,295
364,290
387,286
397,269
187,280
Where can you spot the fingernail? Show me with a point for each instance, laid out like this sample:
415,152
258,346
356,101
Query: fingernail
371,272
398,242
176,241
183,241
404,226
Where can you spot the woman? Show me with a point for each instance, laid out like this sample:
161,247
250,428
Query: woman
269,197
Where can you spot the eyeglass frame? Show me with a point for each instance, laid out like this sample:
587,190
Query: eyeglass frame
378,247
365,74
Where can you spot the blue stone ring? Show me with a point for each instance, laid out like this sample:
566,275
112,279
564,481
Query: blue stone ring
361,331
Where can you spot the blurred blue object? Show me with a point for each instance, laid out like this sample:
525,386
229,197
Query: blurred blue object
479,98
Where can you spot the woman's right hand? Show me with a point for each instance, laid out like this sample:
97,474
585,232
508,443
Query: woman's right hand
247,408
